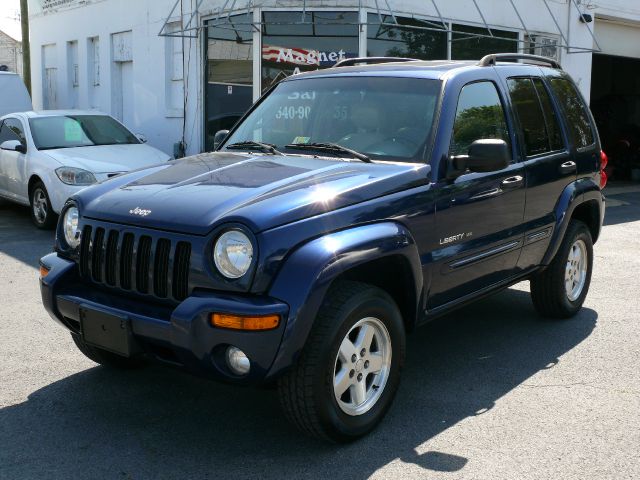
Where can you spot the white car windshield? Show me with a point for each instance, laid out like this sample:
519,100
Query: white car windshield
385,118
71,131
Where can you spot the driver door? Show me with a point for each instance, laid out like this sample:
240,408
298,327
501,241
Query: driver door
478,214
13,164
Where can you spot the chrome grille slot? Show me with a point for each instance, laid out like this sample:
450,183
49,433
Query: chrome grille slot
142,264
126,261
181,270
97,254
161,268
84,250
111,258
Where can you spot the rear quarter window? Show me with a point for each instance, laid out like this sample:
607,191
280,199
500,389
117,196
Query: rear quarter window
575,112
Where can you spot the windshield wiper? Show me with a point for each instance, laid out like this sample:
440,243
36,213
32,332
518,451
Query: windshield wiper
251,145
328,147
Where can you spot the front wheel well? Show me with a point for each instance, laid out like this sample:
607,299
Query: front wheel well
589,214
393,275
32,181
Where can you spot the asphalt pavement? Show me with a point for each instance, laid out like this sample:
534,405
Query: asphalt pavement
489,392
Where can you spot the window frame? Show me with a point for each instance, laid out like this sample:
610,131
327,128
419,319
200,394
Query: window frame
518,124
22,140
503,104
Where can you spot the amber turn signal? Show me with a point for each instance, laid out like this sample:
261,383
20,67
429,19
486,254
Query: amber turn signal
44,271
237,322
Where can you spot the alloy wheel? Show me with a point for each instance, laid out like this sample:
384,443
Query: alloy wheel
40,205
362,366
575,274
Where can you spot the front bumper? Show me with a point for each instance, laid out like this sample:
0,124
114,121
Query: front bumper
180,335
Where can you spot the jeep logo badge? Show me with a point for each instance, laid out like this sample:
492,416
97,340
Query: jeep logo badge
140,211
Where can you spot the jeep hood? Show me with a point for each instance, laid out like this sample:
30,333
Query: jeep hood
195,194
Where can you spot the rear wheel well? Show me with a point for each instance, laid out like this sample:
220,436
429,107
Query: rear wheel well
589,214
393,275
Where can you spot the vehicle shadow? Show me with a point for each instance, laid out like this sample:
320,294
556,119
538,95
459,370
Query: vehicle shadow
159,423
19,238
627,212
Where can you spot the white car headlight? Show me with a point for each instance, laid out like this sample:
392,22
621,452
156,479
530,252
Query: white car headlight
70,227
75,176
233,254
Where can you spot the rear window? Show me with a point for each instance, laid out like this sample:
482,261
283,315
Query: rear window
575,111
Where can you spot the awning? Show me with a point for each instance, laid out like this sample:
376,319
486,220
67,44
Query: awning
220,14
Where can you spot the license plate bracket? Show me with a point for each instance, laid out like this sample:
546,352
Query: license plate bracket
107,331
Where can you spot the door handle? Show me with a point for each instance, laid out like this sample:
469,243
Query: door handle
512,182
568,167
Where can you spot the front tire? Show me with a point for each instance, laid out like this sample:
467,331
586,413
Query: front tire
42,213
561,289
347,376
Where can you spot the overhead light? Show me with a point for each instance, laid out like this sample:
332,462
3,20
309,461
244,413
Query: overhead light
586,18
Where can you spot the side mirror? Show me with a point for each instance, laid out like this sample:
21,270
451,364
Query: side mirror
141,137
13,146
486,155
219,138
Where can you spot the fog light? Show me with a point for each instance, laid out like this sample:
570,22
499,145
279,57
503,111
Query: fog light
237,361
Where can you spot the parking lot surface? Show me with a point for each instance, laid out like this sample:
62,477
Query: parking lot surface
488,392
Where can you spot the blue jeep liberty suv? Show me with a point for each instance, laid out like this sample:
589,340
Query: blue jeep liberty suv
347,207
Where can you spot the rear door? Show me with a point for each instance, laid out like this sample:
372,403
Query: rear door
551,161
478,215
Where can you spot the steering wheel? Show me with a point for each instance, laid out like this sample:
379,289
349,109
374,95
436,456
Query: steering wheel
396,145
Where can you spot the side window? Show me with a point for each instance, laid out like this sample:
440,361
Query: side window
5,133
551,117
527,106
575,111
480,115
12,130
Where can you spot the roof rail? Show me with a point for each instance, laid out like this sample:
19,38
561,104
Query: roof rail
349,62
490,60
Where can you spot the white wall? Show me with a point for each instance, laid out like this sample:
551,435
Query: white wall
156,111
151,116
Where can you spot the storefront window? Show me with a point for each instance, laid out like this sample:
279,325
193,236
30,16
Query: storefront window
385,39
293,42
229,89
465,46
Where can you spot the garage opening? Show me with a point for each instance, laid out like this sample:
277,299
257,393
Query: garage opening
615,103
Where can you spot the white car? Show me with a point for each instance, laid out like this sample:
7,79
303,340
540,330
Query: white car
45,157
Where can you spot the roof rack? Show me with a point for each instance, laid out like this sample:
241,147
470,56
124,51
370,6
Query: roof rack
491,60
349,62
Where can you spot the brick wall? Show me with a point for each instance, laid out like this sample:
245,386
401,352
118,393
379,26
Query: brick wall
10,53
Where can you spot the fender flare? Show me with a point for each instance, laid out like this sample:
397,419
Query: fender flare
574,194
308,272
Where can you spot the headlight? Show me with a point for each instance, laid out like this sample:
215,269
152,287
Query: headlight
233,254
70,227
75,176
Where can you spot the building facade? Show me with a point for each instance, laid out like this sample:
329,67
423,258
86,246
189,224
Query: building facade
177,75
10,53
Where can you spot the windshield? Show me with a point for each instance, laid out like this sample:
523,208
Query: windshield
78,131
382,117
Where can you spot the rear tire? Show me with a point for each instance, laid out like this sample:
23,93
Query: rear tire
348,373
42,214
561,289
104,358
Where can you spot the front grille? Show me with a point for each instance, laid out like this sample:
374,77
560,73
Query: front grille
139,264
